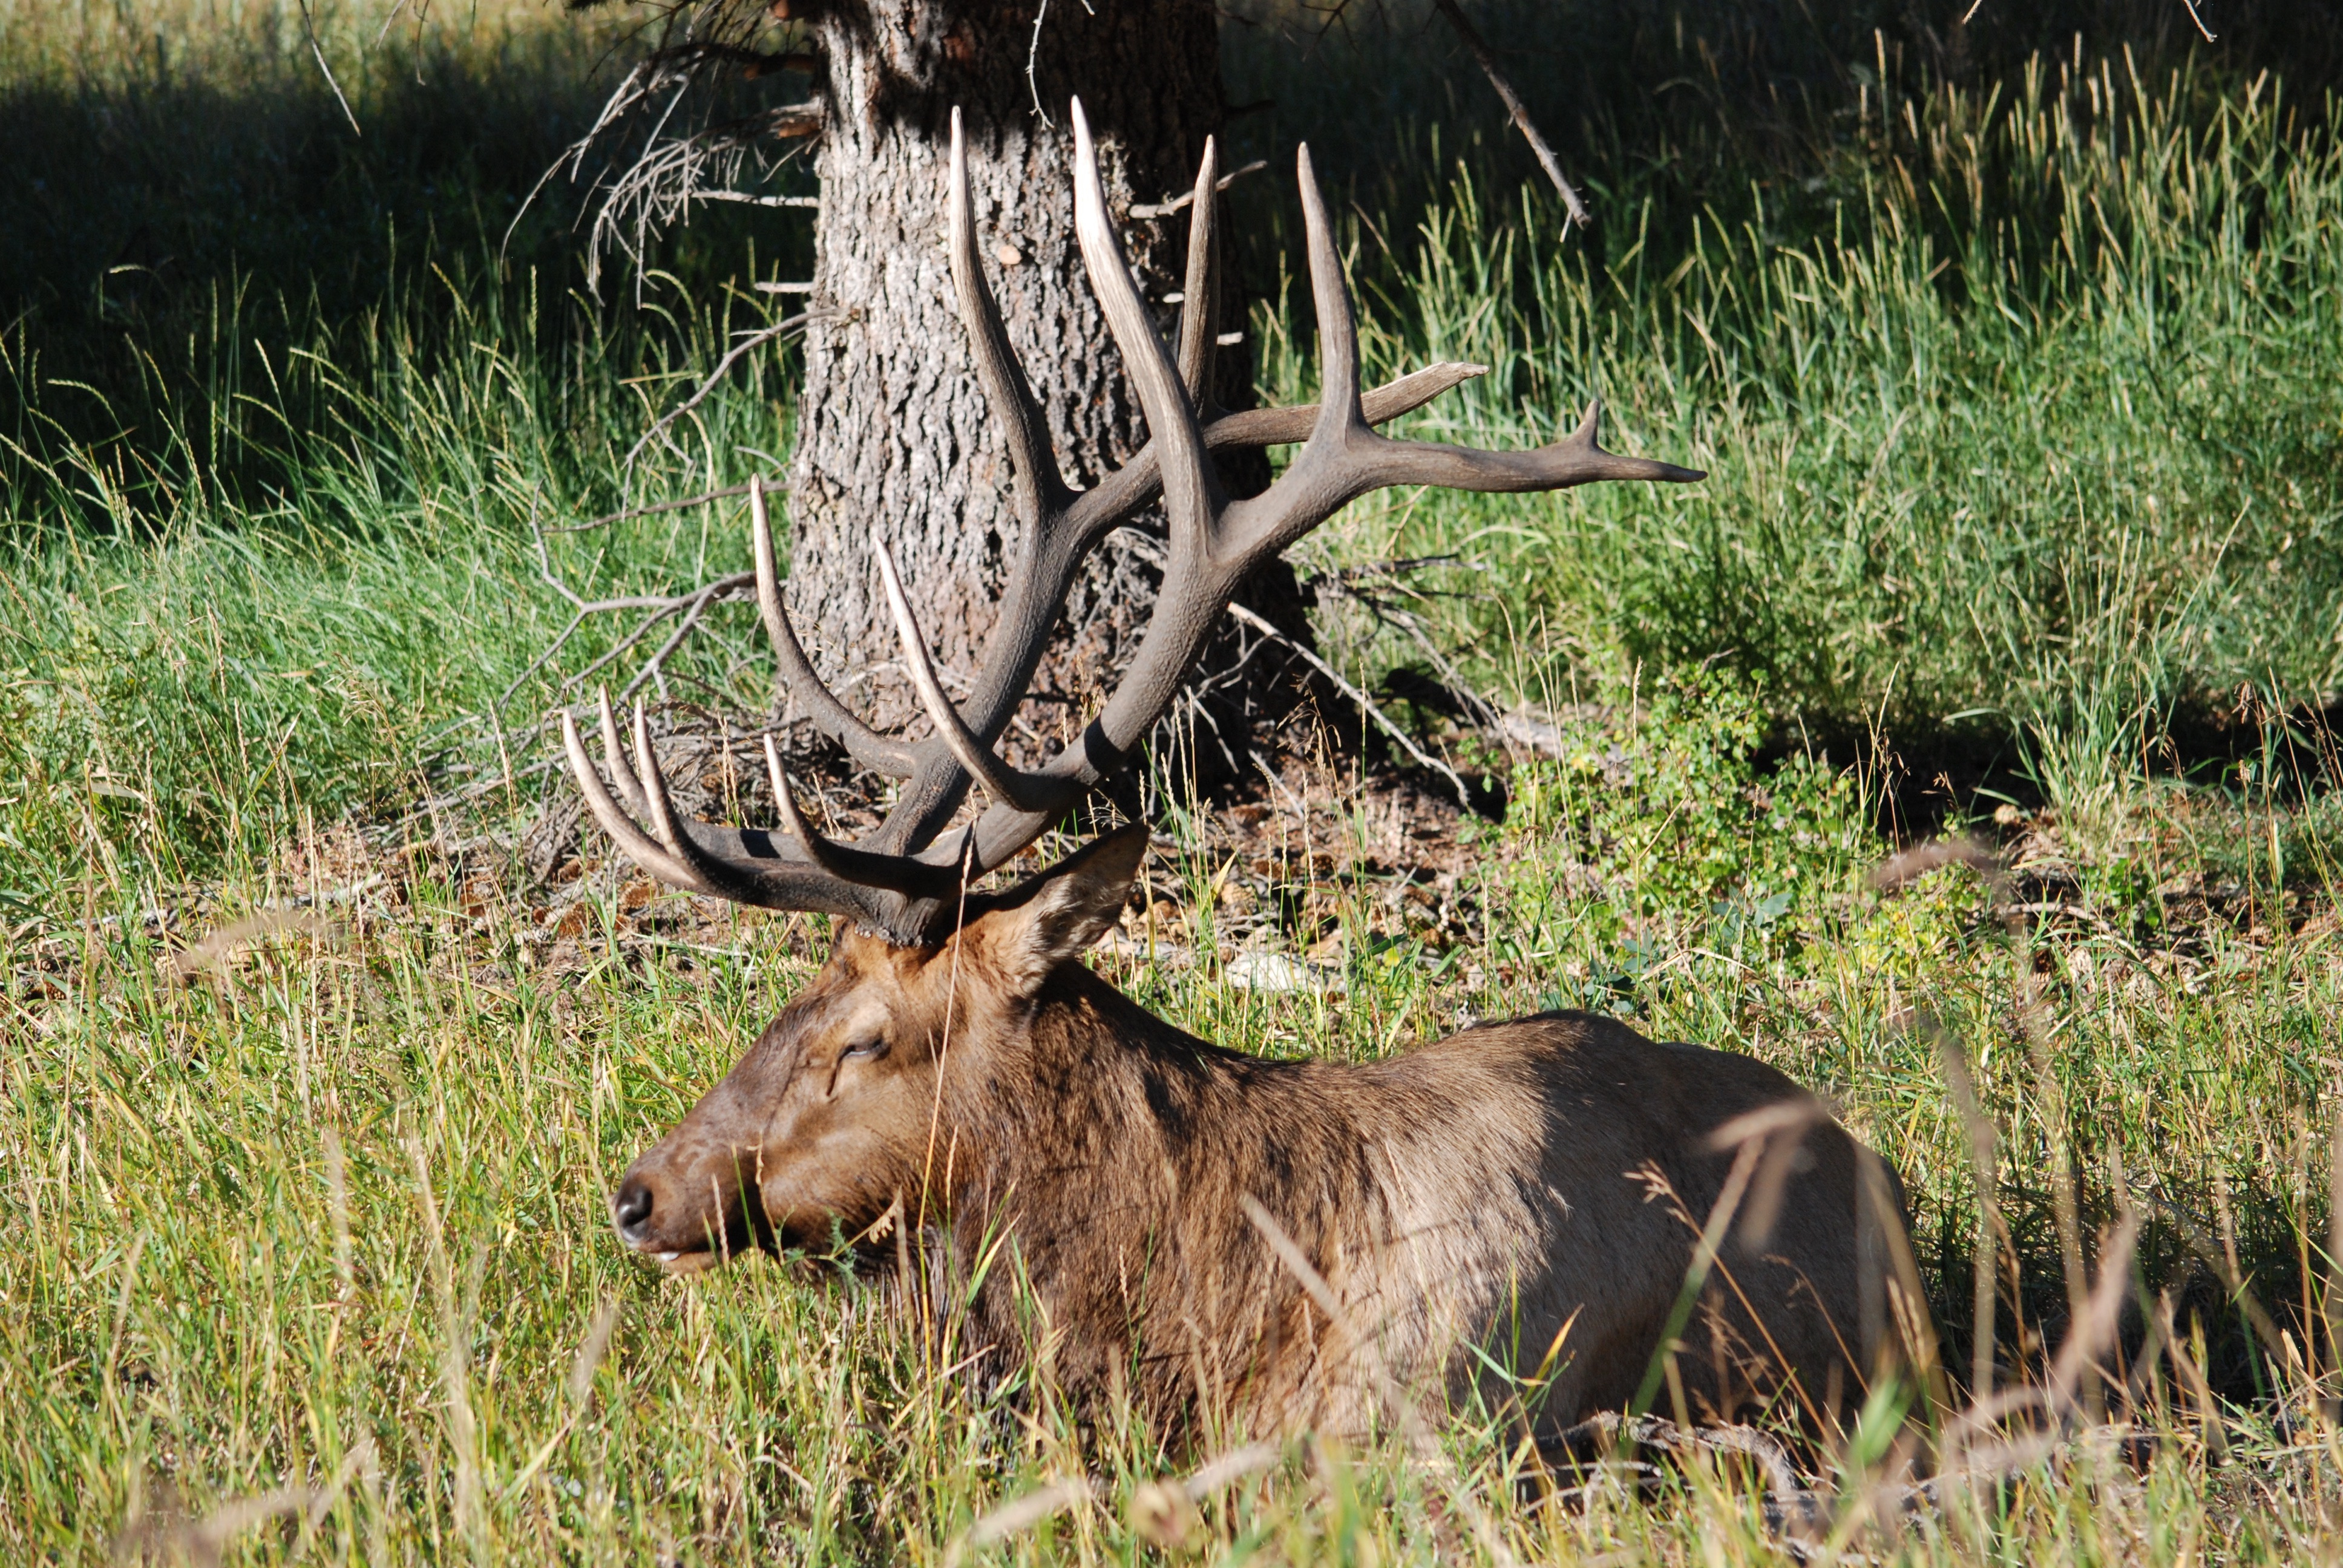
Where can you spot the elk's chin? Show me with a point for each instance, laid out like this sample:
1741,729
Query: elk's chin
674,1264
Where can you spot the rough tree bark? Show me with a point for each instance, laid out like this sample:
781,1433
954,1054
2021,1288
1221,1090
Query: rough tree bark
893,431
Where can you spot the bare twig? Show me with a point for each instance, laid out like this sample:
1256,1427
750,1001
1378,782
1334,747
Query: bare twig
1513,105
1366,704
1148,549
384,31
309,26
740,584
752,199
1166,208
772,482
691,605
1459,691
1033,53
756,339
662,108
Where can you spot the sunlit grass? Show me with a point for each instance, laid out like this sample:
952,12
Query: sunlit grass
329,1212
2039,435
2026,411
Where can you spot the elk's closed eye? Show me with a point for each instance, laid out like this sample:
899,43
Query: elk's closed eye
869,1046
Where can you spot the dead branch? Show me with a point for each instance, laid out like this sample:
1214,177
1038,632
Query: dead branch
1149,550
1366,705
309,26
749,341
1350,582
1514,106
750,198
771,483
665,107
1166,208
689,605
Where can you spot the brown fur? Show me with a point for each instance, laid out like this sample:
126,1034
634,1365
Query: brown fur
1493,1187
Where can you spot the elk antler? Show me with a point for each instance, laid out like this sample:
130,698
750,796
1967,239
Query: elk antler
905,877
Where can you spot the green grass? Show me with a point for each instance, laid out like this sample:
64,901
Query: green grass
331,1216
2021,396
238,662
2041,436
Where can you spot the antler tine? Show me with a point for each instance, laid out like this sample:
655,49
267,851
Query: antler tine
687,855
894,873
1345,459
1327,472
1137,482
1036,488
1200,313
833,718
1190,494
638,846
773,886
838,880
1578,458
1339,414
614,756
1025,791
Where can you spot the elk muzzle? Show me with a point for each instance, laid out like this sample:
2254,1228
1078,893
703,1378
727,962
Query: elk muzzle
688,1215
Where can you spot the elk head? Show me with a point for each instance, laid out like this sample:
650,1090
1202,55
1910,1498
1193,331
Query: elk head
829,1115
832,1116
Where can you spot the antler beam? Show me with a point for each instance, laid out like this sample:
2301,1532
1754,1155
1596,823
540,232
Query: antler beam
904,878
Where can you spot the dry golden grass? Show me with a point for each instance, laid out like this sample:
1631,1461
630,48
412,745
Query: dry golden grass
307,1250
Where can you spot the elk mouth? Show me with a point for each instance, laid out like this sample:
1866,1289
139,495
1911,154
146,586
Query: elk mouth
643,1213
679,1263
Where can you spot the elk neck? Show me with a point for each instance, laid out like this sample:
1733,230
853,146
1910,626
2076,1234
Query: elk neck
1118,1153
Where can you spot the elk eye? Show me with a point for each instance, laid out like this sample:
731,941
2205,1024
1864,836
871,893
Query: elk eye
874,1045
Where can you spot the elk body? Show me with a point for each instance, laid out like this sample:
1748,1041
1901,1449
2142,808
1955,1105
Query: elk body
1498,1190
1282,1243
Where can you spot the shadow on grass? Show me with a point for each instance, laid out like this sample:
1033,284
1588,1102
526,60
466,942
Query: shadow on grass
189,241
1930,778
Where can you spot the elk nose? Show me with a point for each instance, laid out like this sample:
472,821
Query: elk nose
632,1210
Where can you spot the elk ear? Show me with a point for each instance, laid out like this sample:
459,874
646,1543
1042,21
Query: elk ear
1054,915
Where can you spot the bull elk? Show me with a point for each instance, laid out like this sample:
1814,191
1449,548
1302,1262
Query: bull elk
1283,1241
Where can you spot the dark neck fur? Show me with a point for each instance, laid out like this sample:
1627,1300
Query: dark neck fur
1093,1133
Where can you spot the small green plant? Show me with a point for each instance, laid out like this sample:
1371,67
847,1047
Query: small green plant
1658,825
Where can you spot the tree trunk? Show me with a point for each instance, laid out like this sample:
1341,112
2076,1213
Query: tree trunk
893,432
